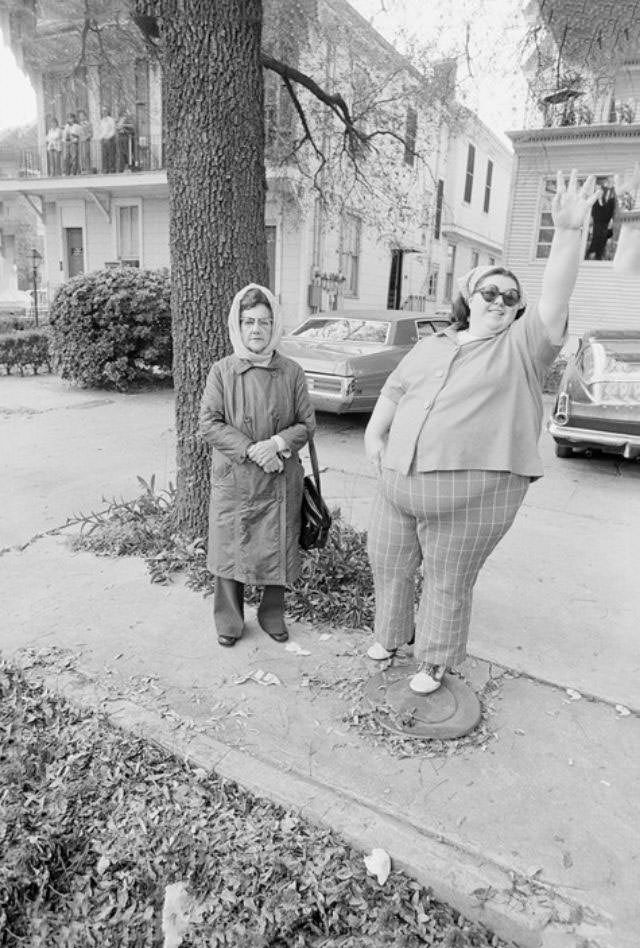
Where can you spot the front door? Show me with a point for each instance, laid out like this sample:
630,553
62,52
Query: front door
394,293
75,251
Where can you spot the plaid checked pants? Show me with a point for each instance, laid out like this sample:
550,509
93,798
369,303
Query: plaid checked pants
451,521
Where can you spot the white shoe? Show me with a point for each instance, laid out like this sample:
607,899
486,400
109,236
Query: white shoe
379,653
428,679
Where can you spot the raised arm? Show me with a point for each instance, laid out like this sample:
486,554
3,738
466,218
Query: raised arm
570,208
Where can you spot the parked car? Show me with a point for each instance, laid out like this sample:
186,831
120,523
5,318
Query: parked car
598,401
347,355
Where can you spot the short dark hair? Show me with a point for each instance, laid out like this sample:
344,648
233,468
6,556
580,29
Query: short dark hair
254,297
460,307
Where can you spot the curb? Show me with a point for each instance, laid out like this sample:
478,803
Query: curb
520,911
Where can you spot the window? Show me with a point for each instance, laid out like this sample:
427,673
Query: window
410,132
487,186
432,283
128,233
603,227
350,252
492,261
451,265
468,181
475,259
439,199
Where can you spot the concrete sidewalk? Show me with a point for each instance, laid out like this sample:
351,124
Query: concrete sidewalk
531,825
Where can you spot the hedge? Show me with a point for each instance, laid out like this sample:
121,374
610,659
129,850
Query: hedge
112,328
25,349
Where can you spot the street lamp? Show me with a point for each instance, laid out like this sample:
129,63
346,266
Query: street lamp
35,261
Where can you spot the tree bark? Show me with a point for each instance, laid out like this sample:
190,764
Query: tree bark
214,140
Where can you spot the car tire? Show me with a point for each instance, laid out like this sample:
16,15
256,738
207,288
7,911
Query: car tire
564,451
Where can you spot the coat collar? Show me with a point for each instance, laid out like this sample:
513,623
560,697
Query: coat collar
243,365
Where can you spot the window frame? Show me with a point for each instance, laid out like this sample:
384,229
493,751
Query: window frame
410,136
488,184
351,287
469,173
117,206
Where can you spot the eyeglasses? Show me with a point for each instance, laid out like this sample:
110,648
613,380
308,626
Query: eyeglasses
491,293
261,323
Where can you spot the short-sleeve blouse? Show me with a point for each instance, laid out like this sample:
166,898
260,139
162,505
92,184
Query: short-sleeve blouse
476,406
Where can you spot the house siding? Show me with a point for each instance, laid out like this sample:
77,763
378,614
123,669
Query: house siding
601,299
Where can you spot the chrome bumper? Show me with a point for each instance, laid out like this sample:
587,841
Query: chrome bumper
627,445
339,404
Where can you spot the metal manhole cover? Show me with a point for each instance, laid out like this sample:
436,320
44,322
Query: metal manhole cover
451,711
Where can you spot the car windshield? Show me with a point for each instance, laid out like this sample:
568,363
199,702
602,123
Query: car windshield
619,358
355,330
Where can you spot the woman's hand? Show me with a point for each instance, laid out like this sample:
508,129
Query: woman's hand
374,446
263,451
265,455
571,204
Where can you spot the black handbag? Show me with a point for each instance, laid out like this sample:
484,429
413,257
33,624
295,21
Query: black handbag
315,518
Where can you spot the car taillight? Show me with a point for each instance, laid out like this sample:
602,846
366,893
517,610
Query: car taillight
561,414
349,386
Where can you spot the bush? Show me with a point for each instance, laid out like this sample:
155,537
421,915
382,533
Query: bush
15,323
112,328
25,349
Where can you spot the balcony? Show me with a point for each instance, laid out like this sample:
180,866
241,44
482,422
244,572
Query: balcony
121,155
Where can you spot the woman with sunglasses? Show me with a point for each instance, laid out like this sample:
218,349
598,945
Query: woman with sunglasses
257,415
454,436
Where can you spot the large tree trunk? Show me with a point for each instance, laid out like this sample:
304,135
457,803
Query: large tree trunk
214,140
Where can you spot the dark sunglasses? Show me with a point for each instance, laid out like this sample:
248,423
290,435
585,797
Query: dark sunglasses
491,293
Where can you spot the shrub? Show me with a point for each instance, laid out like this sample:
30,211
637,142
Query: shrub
14,323
25,349
112,328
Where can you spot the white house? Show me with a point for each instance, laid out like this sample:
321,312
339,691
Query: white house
588,119
100,209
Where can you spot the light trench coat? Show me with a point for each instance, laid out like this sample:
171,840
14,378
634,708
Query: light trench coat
254,517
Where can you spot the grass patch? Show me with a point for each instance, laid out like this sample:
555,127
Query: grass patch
97,824
335,586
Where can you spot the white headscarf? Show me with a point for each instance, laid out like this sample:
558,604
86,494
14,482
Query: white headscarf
264,357
468,283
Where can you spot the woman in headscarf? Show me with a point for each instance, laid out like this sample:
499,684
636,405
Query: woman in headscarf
454,436
257,415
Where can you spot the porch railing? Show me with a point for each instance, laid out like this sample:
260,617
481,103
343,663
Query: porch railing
123,153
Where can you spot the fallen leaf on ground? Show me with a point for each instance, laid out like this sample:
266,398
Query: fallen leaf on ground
325,636
574,695
622,711
296,649
262,677
378,864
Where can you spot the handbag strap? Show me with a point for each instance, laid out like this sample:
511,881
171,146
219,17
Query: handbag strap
314,463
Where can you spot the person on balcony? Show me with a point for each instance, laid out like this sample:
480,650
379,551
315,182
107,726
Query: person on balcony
125,131
107,141
71,138
601,220
54,149
86,134
454,437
